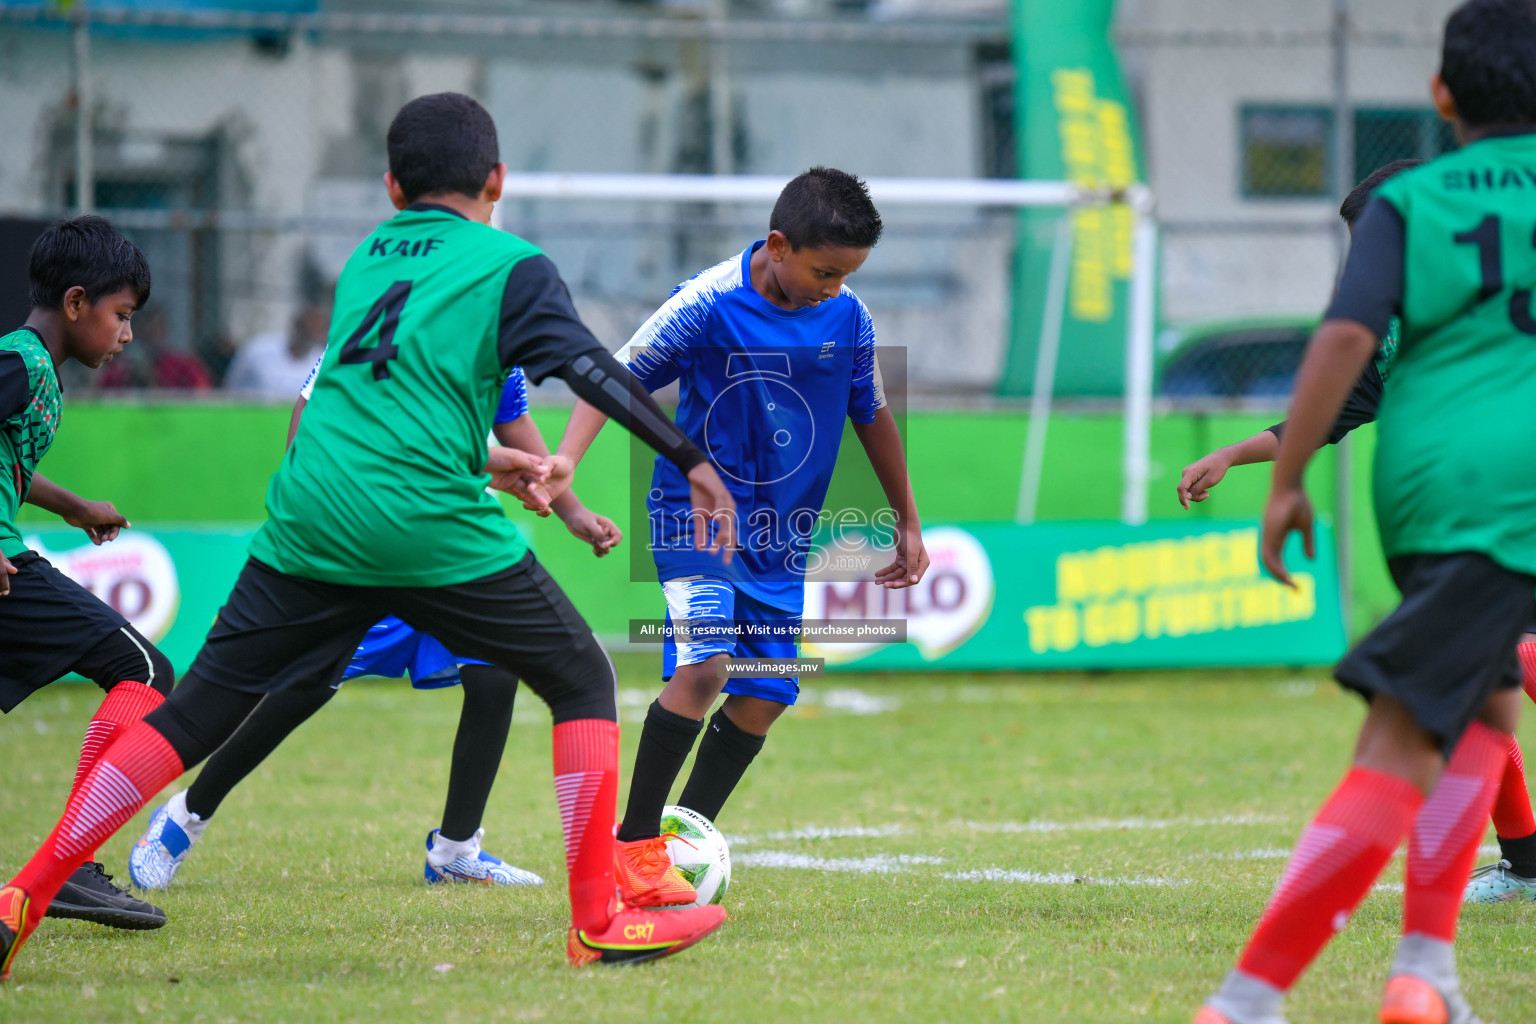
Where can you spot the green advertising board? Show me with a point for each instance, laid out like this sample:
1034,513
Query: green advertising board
998,596
1074,123
1094,595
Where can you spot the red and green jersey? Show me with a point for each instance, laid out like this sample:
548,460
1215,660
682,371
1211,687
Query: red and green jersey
30,407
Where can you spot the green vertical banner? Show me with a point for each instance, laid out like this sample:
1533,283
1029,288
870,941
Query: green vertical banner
1073,123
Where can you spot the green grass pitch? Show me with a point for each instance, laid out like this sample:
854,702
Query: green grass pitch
905,850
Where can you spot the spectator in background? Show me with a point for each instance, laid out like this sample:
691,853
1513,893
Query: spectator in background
152,363
276,364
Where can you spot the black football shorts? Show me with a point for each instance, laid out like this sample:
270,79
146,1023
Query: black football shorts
1450,643
51,626
279,631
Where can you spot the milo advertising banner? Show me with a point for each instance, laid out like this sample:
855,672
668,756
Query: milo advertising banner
169,583
1094,595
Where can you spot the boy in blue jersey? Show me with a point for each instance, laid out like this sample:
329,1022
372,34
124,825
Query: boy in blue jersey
391,649
772,352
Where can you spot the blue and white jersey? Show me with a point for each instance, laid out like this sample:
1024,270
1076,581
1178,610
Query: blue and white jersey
514,397
514,394
764,392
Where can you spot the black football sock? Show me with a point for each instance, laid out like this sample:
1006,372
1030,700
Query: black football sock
664,745
724,755
1521,854
483,723
278,714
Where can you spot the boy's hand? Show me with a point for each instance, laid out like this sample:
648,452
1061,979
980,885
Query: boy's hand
100,520
712,505
561,471
911,559
7,570
520,474
599,531
1287,510
1200,476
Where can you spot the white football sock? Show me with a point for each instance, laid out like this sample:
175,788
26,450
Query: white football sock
190,823
446,851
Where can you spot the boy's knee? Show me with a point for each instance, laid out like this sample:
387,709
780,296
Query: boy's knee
127,656
164,672
585,687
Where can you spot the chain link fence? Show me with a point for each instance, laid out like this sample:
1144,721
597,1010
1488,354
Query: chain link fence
244,154
1256,123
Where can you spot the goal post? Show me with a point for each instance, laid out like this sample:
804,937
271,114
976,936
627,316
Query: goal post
951,192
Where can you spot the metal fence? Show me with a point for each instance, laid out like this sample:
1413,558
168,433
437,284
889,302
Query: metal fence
1256,123
243,153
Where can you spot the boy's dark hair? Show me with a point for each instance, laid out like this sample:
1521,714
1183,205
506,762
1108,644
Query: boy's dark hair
441,143
825,206
86,251
1354,203
1488,61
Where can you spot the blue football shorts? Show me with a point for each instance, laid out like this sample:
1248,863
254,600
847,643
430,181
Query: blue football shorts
393,650
705,600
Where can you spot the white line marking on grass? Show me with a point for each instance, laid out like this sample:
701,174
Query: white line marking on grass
822,832
1493,850
1004,827
1388,887
1268,853
1014,877
882,864
1116,825
851,701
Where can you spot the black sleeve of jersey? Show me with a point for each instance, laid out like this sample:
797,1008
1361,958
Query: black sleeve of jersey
613,390
15,385
1359,408
1371,290
539,329
541,332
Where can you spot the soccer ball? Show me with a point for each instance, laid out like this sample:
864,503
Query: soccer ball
698,852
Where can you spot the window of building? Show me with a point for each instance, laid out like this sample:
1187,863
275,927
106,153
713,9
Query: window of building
1385,134
1287,152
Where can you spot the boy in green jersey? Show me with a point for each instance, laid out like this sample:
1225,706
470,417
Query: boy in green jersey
1450,248
1512,878
87,281
380,508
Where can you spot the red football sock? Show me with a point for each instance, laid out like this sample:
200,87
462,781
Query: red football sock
587,787
1338,858
1445,836
1527,653
128,773
126,703
1512,817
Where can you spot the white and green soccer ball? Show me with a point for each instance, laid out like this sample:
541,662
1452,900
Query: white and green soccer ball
699,852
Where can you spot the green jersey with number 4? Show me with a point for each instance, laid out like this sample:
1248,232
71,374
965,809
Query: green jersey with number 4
1456,450
384,484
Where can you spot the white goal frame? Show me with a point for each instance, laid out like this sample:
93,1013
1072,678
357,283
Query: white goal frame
1136,463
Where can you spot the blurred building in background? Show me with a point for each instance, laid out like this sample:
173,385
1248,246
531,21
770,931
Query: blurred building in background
242,145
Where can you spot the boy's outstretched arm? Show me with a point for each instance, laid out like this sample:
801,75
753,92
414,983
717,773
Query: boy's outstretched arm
599,531
100,520
1200,476
580,431
540,332
882,443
